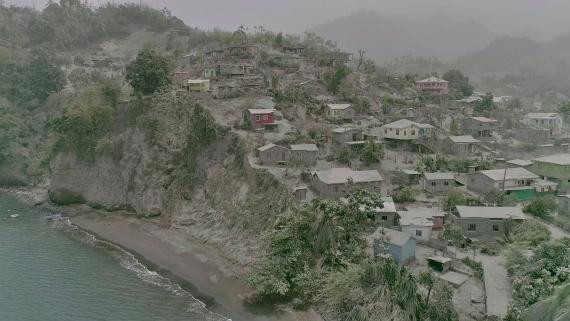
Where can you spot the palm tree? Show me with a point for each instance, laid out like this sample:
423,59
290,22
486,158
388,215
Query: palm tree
427,279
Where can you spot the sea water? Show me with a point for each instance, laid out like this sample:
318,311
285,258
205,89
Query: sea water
53,271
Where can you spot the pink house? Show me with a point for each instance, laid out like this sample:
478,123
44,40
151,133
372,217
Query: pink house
433,85
261,118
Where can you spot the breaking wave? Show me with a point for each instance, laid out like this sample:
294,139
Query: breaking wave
128,261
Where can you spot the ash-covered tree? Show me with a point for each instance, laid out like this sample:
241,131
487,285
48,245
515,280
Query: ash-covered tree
564,110
542,207
371,153
458,84
148,72
335,77
486,104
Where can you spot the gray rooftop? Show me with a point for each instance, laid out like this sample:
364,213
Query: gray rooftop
484,119
559,159
305,147
405,123
339,106
437,176
268,147
520,162
344,129
509,173
490,212
464,139
392,236
342,175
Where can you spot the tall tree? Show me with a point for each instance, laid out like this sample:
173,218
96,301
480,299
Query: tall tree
148,72
458,84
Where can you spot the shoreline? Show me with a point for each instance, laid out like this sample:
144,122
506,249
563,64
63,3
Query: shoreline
199,269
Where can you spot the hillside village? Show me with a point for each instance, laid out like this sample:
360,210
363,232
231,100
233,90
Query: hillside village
458,174
415,150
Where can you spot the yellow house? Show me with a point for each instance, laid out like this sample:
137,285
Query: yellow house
198,85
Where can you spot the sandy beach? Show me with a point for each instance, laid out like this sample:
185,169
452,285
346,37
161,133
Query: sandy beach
210,277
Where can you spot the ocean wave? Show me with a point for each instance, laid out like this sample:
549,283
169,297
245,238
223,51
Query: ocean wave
129,261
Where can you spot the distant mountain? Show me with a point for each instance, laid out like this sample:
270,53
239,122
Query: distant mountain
386,38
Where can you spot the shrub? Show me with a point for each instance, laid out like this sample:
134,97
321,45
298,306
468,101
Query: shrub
404,195
542,207
477,267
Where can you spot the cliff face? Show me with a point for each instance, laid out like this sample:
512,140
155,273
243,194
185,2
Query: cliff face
128,183
145,163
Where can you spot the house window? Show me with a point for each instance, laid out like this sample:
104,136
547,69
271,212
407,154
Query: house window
472,227
257,117
265,117
495,228
404,133
385,131
397,132
384,218
433,183
418,233
446,183
413,132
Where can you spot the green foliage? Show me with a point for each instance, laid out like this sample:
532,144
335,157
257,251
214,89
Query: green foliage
458,84
564,110
404,195
555,307
323,235
531,232
453,234
30,82
476,267
335,77
371,153
90,117
541,207
343,155
148,72
486,104
536,278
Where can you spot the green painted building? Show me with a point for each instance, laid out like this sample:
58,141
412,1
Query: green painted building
555,168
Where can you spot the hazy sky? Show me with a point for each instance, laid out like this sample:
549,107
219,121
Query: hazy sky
539,19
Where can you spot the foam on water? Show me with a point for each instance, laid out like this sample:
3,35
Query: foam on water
129,261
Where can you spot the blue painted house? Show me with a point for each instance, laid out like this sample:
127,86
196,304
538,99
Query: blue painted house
401,246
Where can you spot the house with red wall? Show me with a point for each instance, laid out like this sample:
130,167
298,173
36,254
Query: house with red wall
261,118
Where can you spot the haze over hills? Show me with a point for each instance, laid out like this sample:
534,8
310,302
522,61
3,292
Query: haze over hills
386,38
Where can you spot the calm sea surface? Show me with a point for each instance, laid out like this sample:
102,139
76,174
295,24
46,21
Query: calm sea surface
54,272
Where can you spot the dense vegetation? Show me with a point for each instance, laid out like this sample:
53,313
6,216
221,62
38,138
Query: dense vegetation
316,255
536,278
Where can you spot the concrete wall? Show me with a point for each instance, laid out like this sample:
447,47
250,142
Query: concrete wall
347,113
424,230
484,227
440,185
401,254
305,157
341,138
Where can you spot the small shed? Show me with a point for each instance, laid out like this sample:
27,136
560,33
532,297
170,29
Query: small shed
440,263
343,135
300,192
304,153
439,182
413,177
340,111
271,154
197,85
401,246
